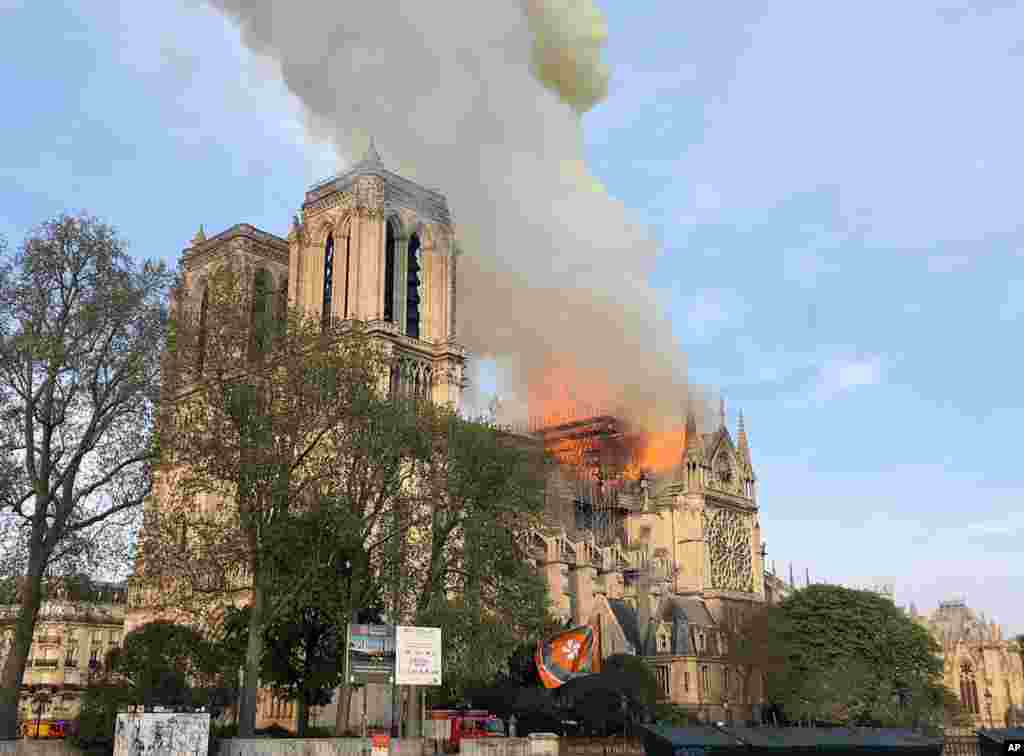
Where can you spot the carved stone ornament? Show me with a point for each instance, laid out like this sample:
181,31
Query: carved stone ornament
725,474
344,200
728,539
370,195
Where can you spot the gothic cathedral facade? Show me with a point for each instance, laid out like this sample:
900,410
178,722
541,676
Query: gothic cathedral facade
665,567
370,246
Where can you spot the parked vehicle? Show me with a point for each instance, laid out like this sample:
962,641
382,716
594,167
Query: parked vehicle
455,725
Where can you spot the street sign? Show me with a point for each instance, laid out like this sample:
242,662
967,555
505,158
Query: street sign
418,651
371,652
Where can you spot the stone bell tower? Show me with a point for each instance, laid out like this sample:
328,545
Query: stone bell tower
718,543
375,247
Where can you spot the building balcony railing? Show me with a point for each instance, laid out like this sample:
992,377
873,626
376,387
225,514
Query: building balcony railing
45,663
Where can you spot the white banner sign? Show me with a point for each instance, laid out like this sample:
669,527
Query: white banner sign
418,652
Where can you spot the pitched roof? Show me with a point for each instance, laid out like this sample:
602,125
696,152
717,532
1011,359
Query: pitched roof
628,620
429,204
696,611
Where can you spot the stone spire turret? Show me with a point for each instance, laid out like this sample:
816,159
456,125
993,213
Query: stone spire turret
694,448
200,237
742,445
691,426
372,156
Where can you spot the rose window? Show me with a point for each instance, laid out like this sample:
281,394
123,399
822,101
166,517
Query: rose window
728,538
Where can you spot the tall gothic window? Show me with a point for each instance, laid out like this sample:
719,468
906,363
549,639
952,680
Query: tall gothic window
261,318
968,688
203,307
328,284
412,299
664,685
348,265
389,274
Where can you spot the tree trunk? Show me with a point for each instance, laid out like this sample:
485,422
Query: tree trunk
344,708
302,723
253,656
14,668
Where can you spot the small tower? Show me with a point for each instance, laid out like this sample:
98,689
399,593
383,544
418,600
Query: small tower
742,445
380,249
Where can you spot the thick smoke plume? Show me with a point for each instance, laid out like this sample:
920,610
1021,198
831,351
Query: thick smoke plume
482,99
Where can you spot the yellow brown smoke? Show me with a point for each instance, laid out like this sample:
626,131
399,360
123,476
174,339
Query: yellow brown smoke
568,37
482,98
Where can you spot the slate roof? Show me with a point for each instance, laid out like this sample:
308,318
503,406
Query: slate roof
669,741
835,740
628,620
696,612
1001,735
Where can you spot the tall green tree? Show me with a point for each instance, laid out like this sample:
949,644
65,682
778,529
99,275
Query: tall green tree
81,325
167,664
302,657
850,656
466,569
265,419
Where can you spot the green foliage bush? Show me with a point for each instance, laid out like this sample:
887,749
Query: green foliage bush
849,657
160,664
98,716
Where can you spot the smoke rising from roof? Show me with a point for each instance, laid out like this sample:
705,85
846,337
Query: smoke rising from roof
482,98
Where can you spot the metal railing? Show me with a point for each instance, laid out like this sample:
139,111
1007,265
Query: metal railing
611,746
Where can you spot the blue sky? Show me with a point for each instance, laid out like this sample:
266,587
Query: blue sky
835,192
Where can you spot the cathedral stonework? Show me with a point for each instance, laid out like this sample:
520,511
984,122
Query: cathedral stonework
984,670
729,551
369,246
664,565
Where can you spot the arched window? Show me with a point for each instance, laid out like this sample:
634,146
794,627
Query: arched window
396,380
325,314
389,274
412,298
261,318
203,307
723,468
968,688
282,307
348,264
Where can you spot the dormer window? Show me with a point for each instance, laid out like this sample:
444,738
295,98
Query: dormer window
723,469
328,286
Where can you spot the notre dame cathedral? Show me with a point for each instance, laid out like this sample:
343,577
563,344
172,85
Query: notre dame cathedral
660,563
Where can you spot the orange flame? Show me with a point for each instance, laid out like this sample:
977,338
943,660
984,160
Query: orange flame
562,394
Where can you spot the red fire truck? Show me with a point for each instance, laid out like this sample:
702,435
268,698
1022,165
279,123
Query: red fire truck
454,725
